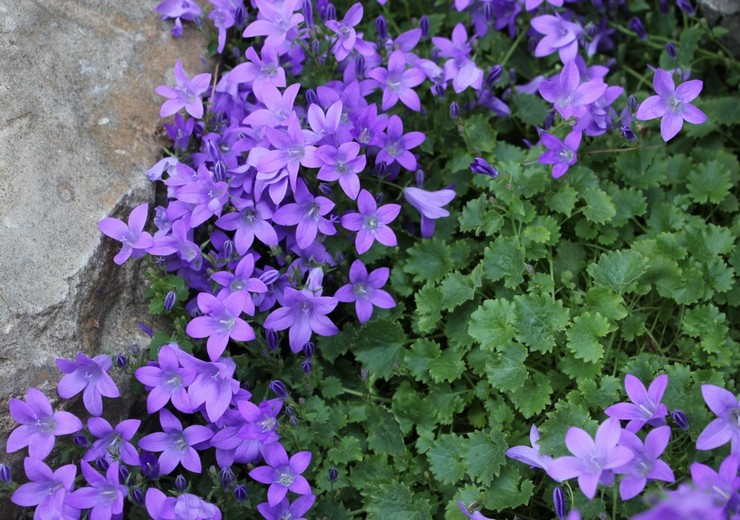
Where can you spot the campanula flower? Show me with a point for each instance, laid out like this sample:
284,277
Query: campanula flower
646,464
303,313
561,154
282,474
133,237
560,36
220,322
429,204
47,489
89,376
166,381
531,456
726,427
645,407
371,223
398,82
286,509
569,96
396,145
104,495
365,290
187,94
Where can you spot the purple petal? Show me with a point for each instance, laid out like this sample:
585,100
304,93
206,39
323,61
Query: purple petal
670,125
717,433
564,468
663,83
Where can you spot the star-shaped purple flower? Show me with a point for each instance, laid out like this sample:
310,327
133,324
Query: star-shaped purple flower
646,465
187,94
561,154
303,312
47,489
214,384
429,204
286,509
307,214
645,407
396,145
104,495
89,376
221,322
342,164
371,223
672,104
166,381
531,456
282,474
560,36
113,443
133,237
569,96
398,82
726,427
365,290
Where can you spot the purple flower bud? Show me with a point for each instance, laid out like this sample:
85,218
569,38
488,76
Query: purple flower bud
309,349
382,27
419,178
315,47
632,103
330,13
138,496
483,167
424,26
454,110
239,17
549,120
494,75
180,483
306,366
512,75
145,329
434,54
240,492
311,97
195,312
438,89
149,465
6,475
289,411
269,277
219,171
360,65
628,133
379,197
169,302
212,150
364,373
333,474
558,498
686,7
308,13
278,388
81,440
680,419
488,11
381,169
123,473
102,463
670,48
121,361
636,25
134,349
294,421
325,189
663,6
228,250
227,478
272,339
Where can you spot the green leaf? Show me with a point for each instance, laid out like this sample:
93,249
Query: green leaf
506,371
445,459
478,216
418,357
491,323
530,109
508,490
708,324
428,308
564,200
385,436
429,260
483,455
457,289
599,206
394,501
584,334
607,303
538,319
618,270
566,414
709,183
532,397
348,450
379,347
479,133
331,347
504,259
447,367
331,387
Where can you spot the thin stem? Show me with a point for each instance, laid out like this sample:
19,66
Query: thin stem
617,150
512,48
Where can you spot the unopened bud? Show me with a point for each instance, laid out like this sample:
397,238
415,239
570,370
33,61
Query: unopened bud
333,474
628,133
494,75
227,478
123,473
102,463
240,492
169,301
6,475
483,167
558,498
121,361
680,419
424,26
670,48
632,103
272,339
278,388
180,483
311,97
309,349
686,7
419,178
454,110
306,366
330,13
308,13
382,27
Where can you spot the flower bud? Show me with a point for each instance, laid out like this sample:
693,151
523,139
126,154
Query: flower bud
360,66
239,16
134,349
330,13
138,495
6,475
311,97
639,29
219,171
339,257
315,47
628,133
670,48
364,374
240,492
123,473
558,498
308,13
309,349
227,478
512,75
438,90
381,168
379,197
169,301
270,276
289,411
272,339
632,103
434,54
549,120
306,366
680,419
424,26
180,483
483,167
382,27
121,361
686,7
294,421
419,178
325,189
454,110
102,463
333,474
146,330
228,250
488,11
278,388
494,75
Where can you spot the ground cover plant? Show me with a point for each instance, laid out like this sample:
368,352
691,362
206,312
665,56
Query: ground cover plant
467,259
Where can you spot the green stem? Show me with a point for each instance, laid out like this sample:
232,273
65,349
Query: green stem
512,48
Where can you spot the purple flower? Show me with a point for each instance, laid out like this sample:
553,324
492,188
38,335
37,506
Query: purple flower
46,489
371,223
186,507
347,38
214,384
723,486
221,322
149,465
282,474
365,290
531,456
672,104
166,381
307,214
240,280
186,94
398,82
113,443
645,465
278,107
208,196
592,460
645,407
569,96
429,204
179,9
560,35
261,421
175,443
686,503
395,145
459,67
259,70
89,376
475,515
275,21
483,167
342,164
726,427
133,237
104,496
286,509
249,221
179,242
303,312
561,154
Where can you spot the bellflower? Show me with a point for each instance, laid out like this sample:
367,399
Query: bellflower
371,223
429,204
342,164
220,322
275,21
396,145
323,124
47,489
206,194
282,474
303,313
187,94
286,509
685,503
89,376
260,421
186,507
259,70
645,407
307,214
645,465
591,459
113,443
531,456
179,241
561,154
726,427
176,443
240,280
104,495
250,221
278,107
672,104
365,290
214,384
398,82
459,67
166,381
347,38
179,10
133,237
723,486
559,36
569,96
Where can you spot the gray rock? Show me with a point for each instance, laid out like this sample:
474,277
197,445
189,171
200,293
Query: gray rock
79,126
725,13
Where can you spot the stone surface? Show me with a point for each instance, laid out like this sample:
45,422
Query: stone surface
79,126
725,13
